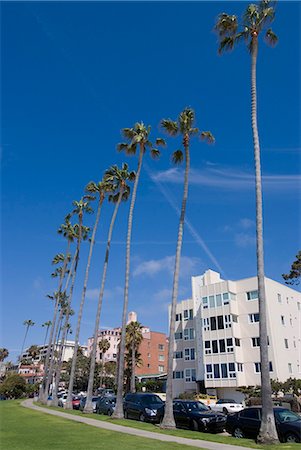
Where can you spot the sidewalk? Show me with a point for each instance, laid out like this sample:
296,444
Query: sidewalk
134,431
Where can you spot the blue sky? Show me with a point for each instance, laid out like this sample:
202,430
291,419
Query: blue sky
73,75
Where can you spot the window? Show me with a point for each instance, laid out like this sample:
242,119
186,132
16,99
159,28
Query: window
252,295
255,342
148,366
237,342
232,373
161,368
178,317
282,320
188,334
161,358
234,318
239,367
148,355
222,347
190,314
218,300
286,343
213,323
178,375
189,375
211,301
185,314
178,355
290,368
228,321
178,335
189,354
206,324
224,370
161,347
205,302
258,367
251,413
214,347
209,371
279,298
226,298
207,347
216,370
253,318
220,322
230,345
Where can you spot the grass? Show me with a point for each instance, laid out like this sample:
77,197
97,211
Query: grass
184,433
25,429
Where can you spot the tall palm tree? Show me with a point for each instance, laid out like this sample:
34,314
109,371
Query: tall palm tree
80,208
118,179
137,142
28,323
67,231
99,188
133,340
256,20
3,353
33,351
47,325
103,346
183,126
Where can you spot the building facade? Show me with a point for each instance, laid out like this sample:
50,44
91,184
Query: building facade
217,335
112,335
68,352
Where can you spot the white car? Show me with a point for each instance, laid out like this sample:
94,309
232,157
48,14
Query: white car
227,406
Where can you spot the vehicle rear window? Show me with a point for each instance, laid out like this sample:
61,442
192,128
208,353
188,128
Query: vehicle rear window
251,413
285,415
149,399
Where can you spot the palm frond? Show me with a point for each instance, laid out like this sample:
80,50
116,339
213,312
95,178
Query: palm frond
208,137
186,120
128,133
122,146
155,153
226,44
194,131
170,126
161,141
271,38
131,149
226,25
177,157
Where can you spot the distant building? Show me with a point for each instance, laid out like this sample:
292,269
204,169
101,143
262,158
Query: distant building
32,373
112,335
67,352
217,335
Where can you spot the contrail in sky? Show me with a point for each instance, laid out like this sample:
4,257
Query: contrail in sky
190,227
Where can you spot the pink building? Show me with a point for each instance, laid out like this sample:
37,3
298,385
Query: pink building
112,335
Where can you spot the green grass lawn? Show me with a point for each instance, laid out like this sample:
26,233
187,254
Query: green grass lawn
184,433
25,429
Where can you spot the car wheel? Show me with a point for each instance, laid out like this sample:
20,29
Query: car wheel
225,411
194,425
126,416
238,433
142,418
291,437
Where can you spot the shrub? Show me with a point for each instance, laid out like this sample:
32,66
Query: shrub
13,386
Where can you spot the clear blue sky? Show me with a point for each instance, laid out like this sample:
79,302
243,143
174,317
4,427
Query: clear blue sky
73,75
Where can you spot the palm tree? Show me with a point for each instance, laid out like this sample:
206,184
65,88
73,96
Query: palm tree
184,126
256,19
137,140
133,340
67,231
103,346
3,354
33,351
80,208
47,325
118,179
28,323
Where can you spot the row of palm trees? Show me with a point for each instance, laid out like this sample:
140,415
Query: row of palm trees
114,186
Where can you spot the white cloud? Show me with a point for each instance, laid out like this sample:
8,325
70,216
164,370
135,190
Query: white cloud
246,223
166,264
228,178
244,240
92,294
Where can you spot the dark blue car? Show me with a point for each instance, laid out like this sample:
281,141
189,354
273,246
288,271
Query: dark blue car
246,423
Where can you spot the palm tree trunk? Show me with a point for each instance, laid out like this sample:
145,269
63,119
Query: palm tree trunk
68,404
43,395
47,329
168,419
118,412
88,405
268,432
26,331
133,383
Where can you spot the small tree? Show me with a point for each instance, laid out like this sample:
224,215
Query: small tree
293,277
3,354
13,386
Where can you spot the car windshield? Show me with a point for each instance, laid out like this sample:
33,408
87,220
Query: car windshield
196,406
285,415
150,399
226,401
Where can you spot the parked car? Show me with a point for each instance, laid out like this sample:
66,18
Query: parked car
246,423
105,392
62,400
197,416
106,405
75,402
83,402
227,406
143,406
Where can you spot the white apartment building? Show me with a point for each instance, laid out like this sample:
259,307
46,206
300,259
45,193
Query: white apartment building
68,351
217,335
